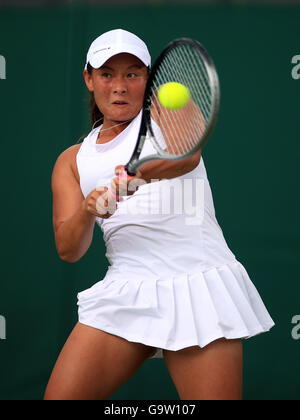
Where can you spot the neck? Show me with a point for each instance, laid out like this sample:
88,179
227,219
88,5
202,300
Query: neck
111,129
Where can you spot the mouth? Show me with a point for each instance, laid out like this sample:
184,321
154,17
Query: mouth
120,103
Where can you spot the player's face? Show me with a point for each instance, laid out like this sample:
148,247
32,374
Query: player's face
119,87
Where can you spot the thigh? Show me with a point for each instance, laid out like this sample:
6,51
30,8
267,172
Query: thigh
93,364
210,373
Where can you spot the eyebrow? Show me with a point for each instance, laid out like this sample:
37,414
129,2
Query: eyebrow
139,66
105,67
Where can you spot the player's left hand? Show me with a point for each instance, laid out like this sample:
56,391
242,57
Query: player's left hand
124,184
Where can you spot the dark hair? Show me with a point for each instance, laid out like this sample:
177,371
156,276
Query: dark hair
96,115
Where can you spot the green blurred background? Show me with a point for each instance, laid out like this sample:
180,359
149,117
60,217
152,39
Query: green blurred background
252,163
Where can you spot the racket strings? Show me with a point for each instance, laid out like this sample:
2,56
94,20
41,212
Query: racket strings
171,119
183,128
201,90
188,130
196,81
196,116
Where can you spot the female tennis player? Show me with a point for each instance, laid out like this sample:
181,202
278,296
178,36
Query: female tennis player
173,288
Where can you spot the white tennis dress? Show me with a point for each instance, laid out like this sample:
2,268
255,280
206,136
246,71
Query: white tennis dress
172,281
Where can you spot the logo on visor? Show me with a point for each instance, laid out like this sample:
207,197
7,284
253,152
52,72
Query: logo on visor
102,49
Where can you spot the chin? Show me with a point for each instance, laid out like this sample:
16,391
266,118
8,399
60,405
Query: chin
126,116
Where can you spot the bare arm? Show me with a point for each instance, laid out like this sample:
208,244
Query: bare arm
164,169
73,224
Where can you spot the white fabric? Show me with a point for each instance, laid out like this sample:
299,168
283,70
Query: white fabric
115,42
172,281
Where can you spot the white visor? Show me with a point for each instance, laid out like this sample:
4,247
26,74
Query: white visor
116,42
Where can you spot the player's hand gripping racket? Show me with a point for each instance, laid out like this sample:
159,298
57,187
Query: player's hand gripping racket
182,96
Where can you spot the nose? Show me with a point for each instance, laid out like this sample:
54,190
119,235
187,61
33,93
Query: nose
120,86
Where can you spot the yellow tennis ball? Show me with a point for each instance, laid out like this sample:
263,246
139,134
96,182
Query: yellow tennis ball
173,95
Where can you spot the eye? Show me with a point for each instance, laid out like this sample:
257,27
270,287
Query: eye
106,75
132,75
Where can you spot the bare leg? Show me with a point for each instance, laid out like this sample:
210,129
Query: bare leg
212,373
93,364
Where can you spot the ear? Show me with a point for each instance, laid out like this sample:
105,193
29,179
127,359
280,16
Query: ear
88,81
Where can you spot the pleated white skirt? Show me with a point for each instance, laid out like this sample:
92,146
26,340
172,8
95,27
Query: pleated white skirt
178,311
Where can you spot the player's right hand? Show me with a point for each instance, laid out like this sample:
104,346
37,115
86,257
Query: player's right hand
101,203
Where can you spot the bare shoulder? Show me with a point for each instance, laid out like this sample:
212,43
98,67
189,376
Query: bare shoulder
65,184
68,157
73,150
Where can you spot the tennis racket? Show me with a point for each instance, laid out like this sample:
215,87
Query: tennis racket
187,129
